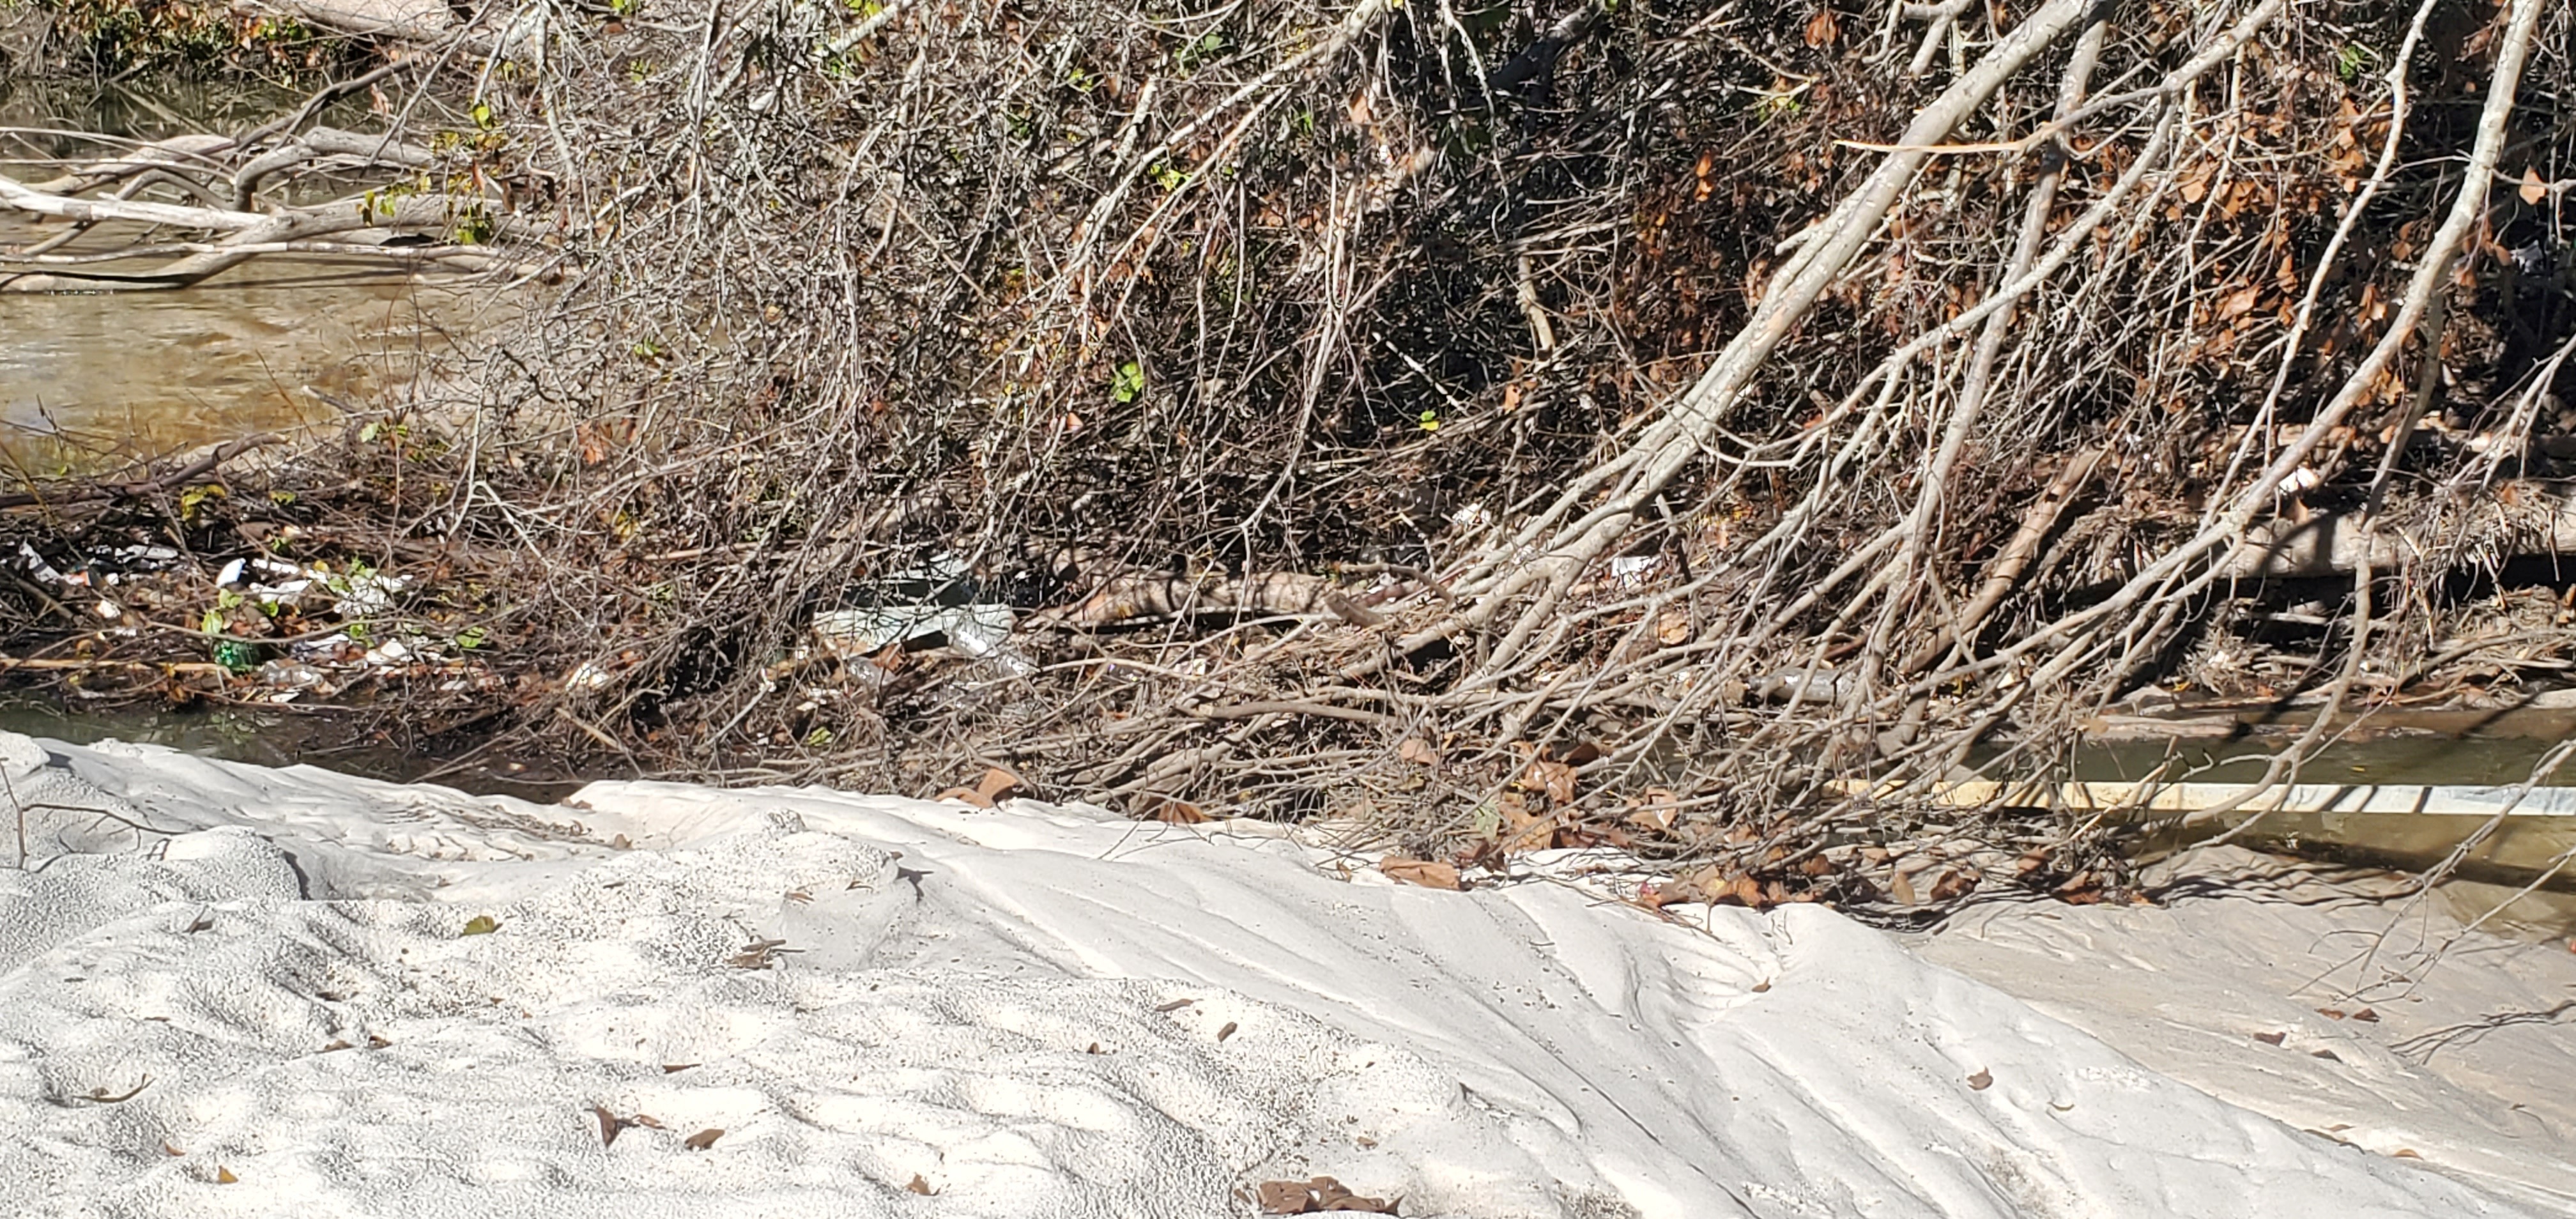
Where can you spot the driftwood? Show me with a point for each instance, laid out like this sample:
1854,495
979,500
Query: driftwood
222,179
2342,543
1134,598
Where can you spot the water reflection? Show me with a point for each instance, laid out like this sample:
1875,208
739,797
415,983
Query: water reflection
93,380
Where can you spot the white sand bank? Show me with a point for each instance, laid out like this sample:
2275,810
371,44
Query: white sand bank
2376,1023
989,1006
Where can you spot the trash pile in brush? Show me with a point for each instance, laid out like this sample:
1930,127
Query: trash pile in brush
254,612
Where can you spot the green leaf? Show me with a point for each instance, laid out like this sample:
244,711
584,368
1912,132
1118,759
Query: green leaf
481,924
1129,384
212,623
470,638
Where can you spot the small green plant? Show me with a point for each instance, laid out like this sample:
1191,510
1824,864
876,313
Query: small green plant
470,638
235,656
1429,420
1129,383
2351,58
1772,106
194,500
1168,178
1205,48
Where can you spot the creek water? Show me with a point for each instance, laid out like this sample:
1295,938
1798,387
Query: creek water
95,381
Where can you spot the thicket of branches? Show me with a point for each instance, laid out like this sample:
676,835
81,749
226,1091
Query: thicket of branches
1511,425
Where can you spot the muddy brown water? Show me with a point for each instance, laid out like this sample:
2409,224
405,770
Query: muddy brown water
319,737
94,381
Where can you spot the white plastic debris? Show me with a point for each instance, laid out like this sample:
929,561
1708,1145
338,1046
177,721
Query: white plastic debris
973,630
291,675
1631,570
371,593
39,568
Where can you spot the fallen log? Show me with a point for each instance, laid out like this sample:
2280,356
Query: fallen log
2541,521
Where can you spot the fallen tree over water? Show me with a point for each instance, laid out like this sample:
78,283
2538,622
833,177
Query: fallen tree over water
1508,427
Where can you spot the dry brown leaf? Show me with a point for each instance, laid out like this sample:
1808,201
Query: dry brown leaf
1418,751
674,1068
2366,1016
998,785
2271,1038
1174,1006
1152,807
2195,186
1227,1031
1673,626
2533,189
1957,883
1555,780
1430,874
1525,831
1982,1080
1822,29
919,1186
1902,888
224,1176
609,1125
1318,1195
703,1139
967,794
